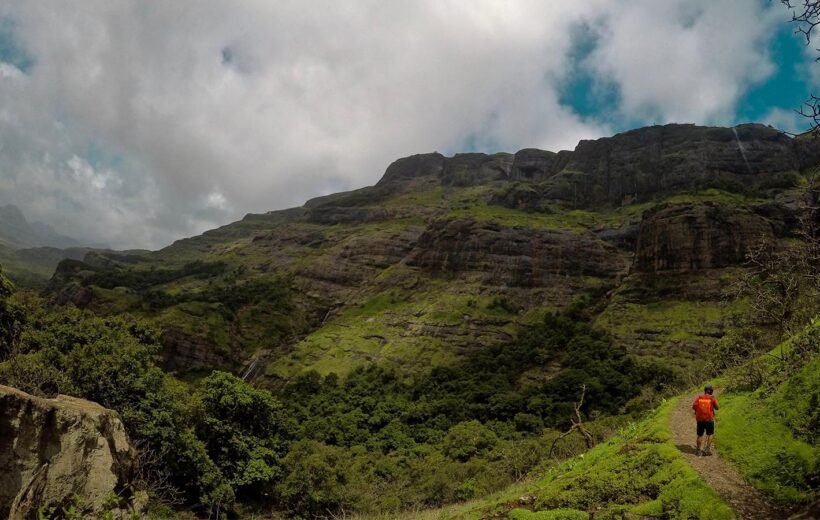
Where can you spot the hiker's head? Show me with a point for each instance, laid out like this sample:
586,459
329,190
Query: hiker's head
709,389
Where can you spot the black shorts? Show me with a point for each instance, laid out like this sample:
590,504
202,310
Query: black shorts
706,426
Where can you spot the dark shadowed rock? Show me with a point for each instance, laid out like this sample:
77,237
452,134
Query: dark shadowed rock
687,237
515,257
345,215
470,169
183,352
640,164
533,164
420,165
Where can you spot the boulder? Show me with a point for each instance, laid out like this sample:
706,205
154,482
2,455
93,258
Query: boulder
52,450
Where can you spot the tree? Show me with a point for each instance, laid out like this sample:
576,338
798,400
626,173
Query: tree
783,279
11,318
241,428
806,16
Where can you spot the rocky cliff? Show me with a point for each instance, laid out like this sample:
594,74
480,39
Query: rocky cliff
690,237
52,450
445,254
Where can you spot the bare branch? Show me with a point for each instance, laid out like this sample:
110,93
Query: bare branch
577,424
805,17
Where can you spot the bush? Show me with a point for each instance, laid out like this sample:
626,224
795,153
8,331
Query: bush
467,440
318,479
241,427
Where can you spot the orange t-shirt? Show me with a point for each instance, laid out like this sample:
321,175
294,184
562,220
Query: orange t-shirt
704,407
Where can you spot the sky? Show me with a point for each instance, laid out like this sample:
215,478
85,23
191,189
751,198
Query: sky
138,122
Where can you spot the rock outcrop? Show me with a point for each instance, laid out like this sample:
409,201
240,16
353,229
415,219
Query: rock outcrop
420,165
183,351
688,237
470,169
513,257
52,450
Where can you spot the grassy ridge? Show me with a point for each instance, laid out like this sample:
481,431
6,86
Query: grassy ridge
637,472
771,433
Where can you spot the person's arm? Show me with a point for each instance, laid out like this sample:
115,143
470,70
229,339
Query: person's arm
715,403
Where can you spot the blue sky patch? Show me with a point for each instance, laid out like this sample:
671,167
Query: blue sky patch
788,87
587,95
11,51
99,158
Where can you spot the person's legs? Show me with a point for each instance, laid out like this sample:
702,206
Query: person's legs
700,431
710,433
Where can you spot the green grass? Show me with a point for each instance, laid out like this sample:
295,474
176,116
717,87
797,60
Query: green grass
673,329
636,473
198,319
555,514
472,203
770,434
411,330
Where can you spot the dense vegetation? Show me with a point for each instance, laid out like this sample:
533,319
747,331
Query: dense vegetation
373,441
477,412
378,442
771,424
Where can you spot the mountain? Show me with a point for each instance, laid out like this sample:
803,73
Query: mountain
445,255
31,251
468,323
17,233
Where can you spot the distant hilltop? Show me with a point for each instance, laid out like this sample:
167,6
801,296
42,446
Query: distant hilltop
17,232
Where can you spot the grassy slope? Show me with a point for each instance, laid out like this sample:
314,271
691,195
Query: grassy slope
770,433
398,328
638,471
766,433
408,324
22,272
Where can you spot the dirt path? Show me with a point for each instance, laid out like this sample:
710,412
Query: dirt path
747,502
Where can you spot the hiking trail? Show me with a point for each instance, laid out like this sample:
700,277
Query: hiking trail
747,501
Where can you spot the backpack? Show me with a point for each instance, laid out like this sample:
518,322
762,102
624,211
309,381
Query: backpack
703,408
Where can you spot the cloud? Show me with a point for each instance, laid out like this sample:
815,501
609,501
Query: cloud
138,123
683,60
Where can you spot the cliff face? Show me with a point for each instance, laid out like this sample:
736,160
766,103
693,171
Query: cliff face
512,257
54,449
413,269
690,237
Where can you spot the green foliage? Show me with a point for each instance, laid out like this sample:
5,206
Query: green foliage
318,479
753,435
635,472
770,429
468,439
142,279
111,361
241,429
11,318
555,514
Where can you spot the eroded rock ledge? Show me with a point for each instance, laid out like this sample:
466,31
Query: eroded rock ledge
52,450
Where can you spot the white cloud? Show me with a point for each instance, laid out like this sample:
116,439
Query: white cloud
684,60
786,120
213,109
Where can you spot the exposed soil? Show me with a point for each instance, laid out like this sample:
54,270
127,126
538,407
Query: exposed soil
747,501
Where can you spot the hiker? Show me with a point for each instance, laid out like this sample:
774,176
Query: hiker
704,407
